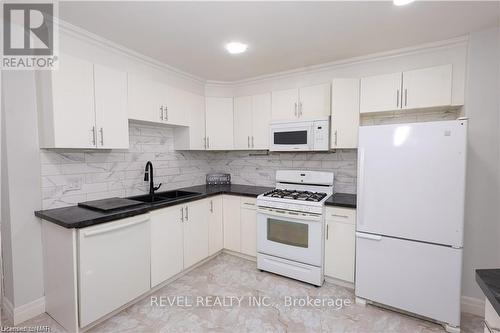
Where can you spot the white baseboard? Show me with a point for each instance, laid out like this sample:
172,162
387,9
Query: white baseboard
25,311
473,305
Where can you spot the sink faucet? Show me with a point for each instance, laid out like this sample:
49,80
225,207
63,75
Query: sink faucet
148,175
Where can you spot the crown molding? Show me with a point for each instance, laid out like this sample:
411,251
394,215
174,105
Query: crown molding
412,50
89,37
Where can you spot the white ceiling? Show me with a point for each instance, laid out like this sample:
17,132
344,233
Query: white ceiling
281,35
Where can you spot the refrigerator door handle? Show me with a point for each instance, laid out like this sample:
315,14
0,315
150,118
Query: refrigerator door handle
368,236
361,174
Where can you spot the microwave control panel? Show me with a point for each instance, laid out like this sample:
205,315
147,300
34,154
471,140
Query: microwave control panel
321,134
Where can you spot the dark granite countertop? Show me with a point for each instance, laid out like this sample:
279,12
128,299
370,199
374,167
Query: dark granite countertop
489,281
79,217
342,200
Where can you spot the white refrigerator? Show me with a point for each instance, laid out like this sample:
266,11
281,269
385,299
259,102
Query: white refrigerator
409,233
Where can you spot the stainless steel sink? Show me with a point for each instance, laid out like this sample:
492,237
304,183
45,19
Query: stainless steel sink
164,196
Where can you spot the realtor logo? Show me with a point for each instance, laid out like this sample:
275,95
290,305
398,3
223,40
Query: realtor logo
28,36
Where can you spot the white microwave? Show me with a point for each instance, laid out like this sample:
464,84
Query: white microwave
304,135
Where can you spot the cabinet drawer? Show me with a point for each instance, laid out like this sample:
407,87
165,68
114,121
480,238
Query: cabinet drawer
338,214
248,202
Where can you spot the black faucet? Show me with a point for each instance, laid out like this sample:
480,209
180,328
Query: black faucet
148,175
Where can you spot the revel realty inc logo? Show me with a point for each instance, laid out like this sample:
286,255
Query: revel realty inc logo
29,35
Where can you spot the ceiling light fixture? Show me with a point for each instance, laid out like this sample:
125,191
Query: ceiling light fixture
402,2
236,47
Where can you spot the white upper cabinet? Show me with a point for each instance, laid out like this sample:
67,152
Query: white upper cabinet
252,115
285,104
416,89
154,101
242,122
314,101
303,103
82,106
111,108
261,117
192,136
345,114
219,123
428,87
144,99
381,93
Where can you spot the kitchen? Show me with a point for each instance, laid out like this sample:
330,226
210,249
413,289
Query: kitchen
233,142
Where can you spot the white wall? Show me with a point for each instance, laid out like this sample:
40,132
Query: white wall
20,194
482,221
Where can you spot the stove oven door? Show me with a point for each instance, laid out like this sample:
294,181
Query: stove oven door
290,235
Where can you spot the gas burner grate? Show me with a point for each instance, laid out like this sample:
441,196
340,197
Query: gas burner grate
296,195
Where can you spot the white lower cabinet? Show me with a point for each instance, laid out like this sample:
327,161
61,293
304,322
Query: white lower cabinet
167,249
195,222
215,225
340,243
114,266
248,217
232,222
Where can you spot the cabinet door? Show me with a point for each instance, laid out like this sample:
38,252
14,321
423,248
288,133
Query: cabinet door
197,122
73,104
176,106
285,104
232,224
195,232
111,108
144,99
242,122
381,93
314,101
340,243
248,227
428,87
219,119
345,113
215,225
261,117
166,244
114,266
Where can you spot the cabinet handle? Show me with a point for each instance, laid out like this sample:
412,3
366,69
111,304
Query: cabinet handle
102,136
182,214
161,112
342,216
187,214
252,142
208,142
248,141
205,142
211,206
300,109
406,97
335,138
397,99
94,141
296,115
166,113
327,229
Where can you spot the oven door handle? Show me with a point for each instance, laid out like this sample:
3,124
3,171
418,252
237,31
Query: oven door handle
289,214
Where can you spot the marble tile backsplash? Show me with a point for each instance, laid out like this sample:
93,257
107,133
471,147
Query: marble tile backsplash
72,176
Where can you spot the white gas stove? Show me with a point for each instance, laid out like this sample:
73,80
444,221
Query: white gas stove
291,225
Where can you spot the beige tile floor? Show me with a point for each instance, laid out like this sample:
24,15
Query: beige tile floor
227,276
